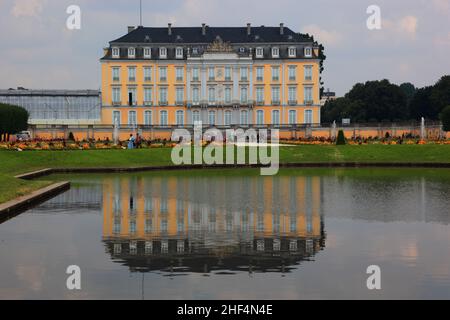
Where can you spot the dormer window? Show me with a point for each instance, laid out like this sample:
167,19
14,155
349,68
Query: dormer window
163,53
308,52
259,52
115,53
275,52
131,53
179,53
292,52
241,49
147,53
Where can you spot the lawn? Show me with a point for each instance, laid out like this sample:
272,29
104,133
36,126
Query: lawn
12,162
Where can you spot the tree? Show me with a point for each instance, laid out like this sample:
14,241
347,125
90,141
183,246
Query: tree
420,105
336,110
340,141
409,90
13,119
445,118
440,95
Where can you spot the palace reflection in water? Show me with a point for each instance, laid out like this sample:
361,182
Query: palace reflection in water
176,224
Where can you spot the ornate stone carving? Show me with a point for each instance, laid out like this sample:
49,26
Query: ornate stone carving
219,45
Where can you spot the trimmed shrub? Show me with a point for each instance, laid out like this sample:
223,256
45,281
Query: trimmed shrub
340,141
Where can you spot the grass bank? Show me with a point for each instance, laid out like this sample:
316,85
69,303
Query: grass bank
13,163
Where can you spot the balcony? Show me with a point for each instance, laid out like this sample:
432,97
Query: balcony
179,79
259,102
244,79
292,78
292,102
162,79
163,103
195,79
116,79
276,79
148,103
276,102
131,79
147,79
227,78
308,78
117,103
308,102
179,103
259,79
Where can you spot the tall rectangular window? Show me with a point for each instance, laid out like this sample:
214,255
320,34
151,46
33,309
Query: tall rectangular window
212,95
259,52
163,74
147,53
195,95
132,97
308,73
163,118
259,73
260,95
227,120
148,97
244,73
260,117
292,95
195,74
275,73
244,95
308,116
276,95
148,121
163,53
131,74
163,96
276,117
132,119
179,95
292,117
179,73
147,74
116,74
228,95
212,117
227,73
308,95
244,117
116,95
211,74
179,53
180,117
116,118
292,73
195,116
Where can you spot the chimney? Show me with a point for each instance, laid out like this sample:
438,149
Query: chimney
169,29
204,29
130,28
281,28
249,29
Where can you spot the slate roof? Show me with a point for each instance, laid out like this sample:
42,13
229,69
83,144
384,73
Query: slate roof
228,34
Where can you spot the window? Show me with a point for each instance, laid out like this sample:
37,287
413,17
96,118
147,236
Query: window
132,97
292,95
292,73
147,53
131,53
275,73
212,95
244,74
116,118
212,117
308,73
195,76
211,74
195,95
115,53
179,53
116,74
260,117
308,116
260,95
275,52
131,74
227,120
308,95
244,117
163,96
148,121
276,117
147,74
292,52
259,73
179,95
292,117
276,95
228,95
180,117
244,95
308,52
227,74
132,119
162,74
148,97
179,73
259,52
163,118
163,53
195,116
116,95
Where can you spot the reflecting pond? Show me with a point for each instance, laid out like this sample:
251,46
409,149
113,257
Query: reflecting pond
211,234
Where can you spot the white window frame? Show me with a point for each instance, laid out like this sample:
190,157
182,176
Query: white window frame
165,96
293,76
292,113
163,53
308,77
179,113
179,90
119,100
133,91
131,75
113,69
196,95
148,74
132,124
178,54
308,112
211,95
228,96
148,102
179,74
228,116
161,78
211,123
259,52
227,74
131,52
259,77
165,118
308,52
148,115
292,52
275,52
260,91
116,112
149,54
277,112
195,74
260,117
275,70
115,52
196,116
243,117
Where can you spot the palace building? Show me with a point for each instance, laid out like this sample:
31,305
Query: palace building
222,76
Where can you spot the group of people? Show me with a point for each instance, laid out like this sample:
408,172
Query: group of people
134,142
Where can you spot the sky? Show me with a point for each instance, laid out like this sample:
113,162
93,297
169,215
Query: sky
38,51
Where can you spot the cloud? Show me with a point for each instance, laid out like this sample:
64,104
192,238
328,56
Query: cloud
442,40
442,6
408,25
327,38
405,27
27,8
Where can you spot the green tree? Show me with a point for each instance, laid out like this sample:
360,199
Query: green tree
420,105
13,119
445,118
440,95
340,141
409,90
